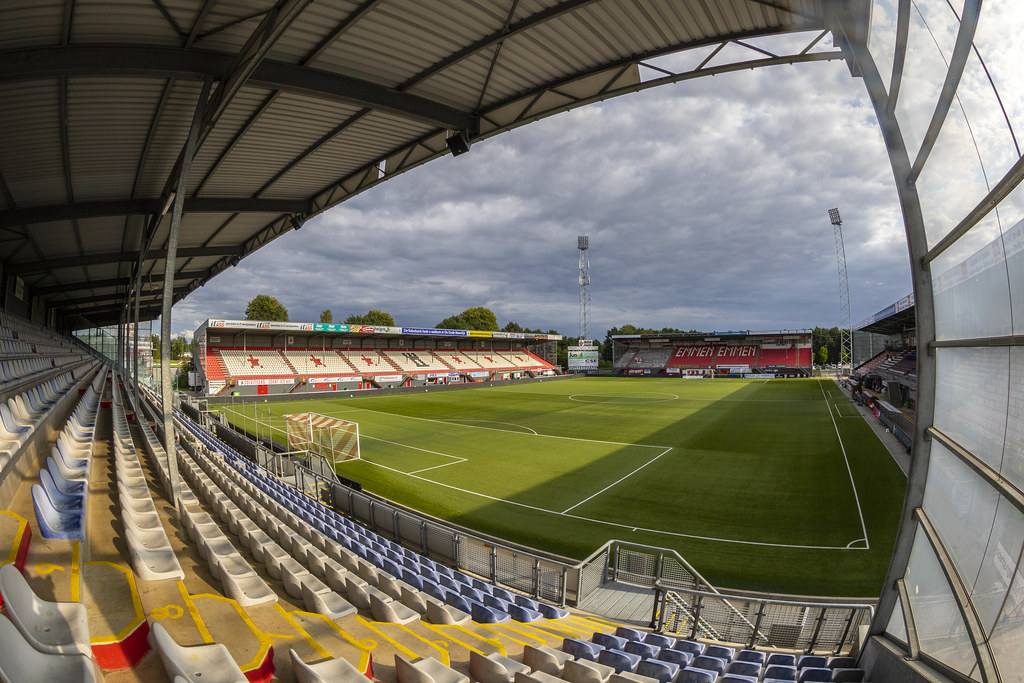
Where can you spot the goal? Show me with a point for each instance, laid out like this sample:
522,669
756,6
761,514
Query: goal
335,439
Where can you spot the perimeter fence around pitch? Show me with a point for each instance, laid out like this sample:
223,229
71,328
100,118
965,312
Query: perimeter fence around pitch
684,603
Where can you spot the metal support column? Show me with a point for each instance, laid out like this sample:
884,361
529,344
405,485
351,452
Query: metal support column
168,292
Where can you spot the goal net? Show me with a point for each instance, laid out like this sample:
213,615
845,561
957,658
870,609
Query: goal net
335,439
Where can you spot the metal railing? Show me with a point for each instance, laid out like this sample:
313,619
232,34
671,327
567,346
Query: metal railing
810,626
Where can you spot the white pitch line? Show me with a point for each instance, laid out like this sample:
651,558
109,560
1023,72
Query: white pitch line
621,479
612,524
454,458
849,471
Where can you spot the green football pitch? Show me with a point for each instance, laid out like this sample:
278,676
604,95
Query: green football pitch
774,485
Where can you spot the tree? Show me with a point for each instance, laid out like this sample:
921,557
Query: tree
179,346
263,307
511,326
326,316
475,318
154,339
372,317
822,355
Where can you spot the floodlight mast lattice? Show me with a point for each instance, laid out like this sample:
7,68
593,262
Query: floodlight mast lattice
845,318
583,244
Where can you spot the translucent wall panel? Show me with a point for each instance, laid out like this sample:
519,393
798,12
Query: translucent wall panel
1013,452
961,506
897,627
940,628
1008,637
997,38
971,287
971,407
1013,248
883,37
933,29
998,564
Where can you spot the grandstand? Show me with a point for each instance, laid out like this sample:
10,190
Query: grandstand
150,146
244,357
715,354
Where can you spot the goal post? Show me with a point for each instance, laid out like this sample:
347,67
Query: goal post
335,439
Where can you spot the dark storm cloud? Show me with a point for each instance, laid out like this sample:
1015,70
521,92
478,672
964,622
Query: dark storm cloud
706,205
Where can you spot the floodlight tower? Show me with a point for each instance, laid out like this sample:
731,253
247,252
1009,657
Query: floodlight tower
583,244
845,320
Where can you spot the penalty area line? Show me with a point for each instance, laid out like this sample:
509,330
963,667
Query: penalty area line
614,483
849,470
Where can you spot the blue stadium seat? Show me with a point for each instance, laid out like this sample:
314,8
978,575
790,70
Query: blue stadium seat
581,649
737,678
482,614
691,675
709,663
816,661
781,659
815,673
608,641
618,660
659,640
523,614
54,523
847,675
629,633
645,650
720,652
744,669
693,647
778,672
679,657
750,656
661,671
70,502
552,612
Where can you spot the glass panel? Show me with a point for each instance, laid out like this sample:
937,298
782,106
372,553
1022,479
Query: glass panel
1013,454
972,294
961,506
930,42
997,568
940,627
1013,247
953,180
970,407
882,40
1008,637
897,627
1003,52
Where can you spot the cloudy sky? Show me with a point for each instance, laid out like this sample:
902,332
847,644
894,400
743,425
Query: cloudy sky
706,204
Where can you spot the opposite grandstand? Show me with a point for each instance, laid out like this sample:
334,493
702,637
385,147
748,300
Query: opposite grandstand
773,485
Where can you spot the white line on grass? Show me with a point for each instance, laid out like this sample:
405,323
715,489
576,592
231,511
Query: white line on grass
849,471
569,509
455,459
612,524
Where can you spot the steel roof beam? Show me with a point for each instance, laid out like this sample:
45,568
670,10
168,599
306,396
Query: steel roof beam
167,62
114,282
105,209
117,257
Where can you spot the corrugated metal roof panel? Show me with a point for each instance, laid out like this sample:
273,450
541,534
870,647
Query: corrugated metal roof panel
30,22
30,150
103,21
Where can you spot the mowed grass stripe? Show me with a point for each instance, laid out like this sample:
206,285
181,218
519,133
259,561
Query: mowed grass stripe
750,461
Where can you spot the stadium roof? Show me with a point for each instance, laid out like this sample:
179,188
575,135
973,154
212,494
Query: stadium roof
293,107
895,318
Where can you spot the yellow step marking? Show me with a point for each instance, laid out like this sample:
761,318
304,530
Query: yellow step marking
140,614
526,631
76,572
204,632
441,629
167,612
265,642
364,646
444,658
310,640
47,568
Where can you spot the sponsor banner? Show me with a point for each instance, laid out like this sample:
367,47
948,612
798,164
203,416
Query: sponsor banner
453,375
260,325
333,380
673,371
259,382
507,335
636,371
905,303
438,375
583,358
756,375
388,378
548,337
433,332
482,333
330,327
479,374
